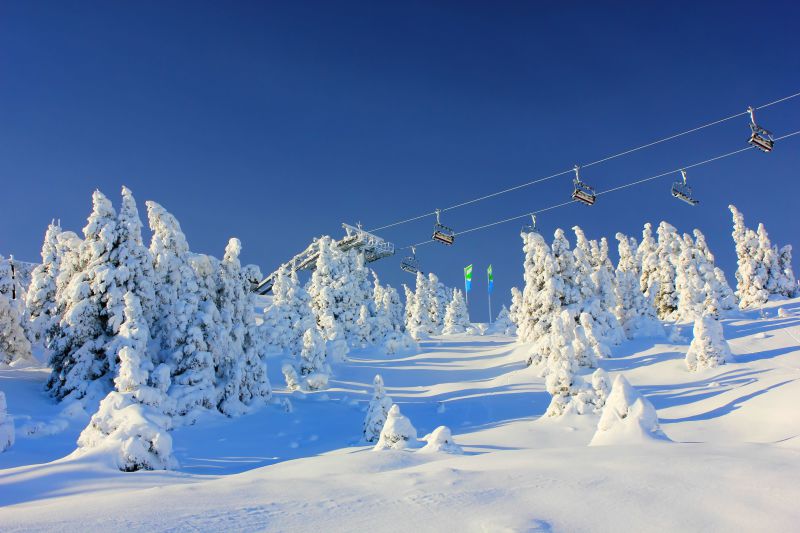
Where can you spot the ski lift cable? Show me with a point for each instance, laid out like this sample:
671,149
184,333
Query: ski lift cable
599,161
607,191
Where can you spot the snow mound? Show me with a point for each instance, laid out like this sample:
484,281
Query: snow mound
397,432
628,418
441,440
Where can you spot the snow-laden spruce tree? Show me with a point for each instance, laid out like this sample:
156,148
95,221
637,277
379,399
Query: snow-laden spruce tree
362,335
602,308
628,418
312,371
6,425
421,322
440,440
708,349
763,270
130,424
503,325
397,433
290,314
14,345
559,349
515,311
668,253
193,386
390,320
439,299
377,412
408,309
541,299
456,318
571,289
721,292
635,310
241,374
647,259
41,296
596,347
135,264
585,286
92,313
689,282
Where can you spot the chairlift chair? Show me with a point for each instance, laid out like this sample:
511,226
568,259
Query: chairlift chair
682,191
530,228
410,263
442,233
582,192
760,138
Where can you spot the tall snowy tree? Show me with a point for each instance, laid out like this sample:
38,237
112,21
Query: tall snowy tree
93,311
41,296
635,310
456,319
647,258
421,324
668,253
290,314
14,345
541,294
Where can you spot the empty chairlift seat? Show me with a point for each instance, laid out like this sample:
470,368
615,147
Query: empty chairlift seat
442,233
759,137
581,191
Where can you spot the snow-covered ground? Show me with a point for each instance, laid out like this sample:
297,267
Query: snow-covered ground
733,464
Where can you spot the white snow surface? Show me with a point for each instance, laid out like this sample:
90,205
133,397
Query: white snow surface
733,464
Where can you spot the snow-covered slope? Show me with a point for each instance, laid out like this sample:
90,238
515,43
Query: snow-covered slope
733,463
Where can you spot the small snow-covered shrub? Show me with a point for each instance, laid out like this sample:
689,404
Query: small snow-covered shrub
397,432
6,425
377,412
441,440
708,349
134,433
14,346
628,418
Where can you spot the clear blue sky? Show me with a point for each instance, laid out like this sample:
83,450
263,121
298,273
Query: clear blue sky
277,121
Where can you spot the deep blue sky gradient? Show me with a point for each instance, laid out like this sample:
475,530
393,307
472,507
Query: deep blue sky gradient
277,121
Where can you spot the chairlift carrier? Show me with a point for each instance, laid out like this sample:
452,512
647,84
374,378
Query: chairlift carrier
410,263
760,138
582,192
442,233
530,228
682,191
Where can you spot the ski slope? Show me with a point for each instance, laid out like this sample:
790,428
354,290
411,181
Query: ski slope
733,464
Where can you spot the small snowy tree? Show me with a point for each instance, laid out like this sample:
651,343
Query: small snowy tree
14,345
312,371
628,418
503,325
456,319
377,412
515,312
708,349
397,433
6,425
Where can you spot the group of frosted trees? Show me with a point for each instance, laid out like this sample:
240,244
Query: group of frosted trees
763,270
160,333
342,307
434,309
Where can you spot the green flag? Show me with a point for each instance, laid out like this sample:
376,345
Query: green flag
491,278
468,277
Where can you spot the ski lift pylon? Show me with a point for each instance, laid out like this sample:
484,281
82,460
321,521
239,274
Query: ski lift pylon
760,138
442,233
410,263
582,192
682,191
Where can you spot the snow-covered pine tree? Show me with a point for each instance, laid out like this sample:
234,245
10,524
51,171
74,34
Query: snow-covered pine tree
456,319
565,269
397,433
290,314
558,347
689,282
596,348
713,275
241,373
135,271
439,302
440,440
130,423
92,313
752,274
362,335
602,305
634,311
787,284
647,259
628,417
6,425
14,345
41,296
668,253
421,323
515,312
708,349
503,325
541,295
312,371
377,412
408,310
